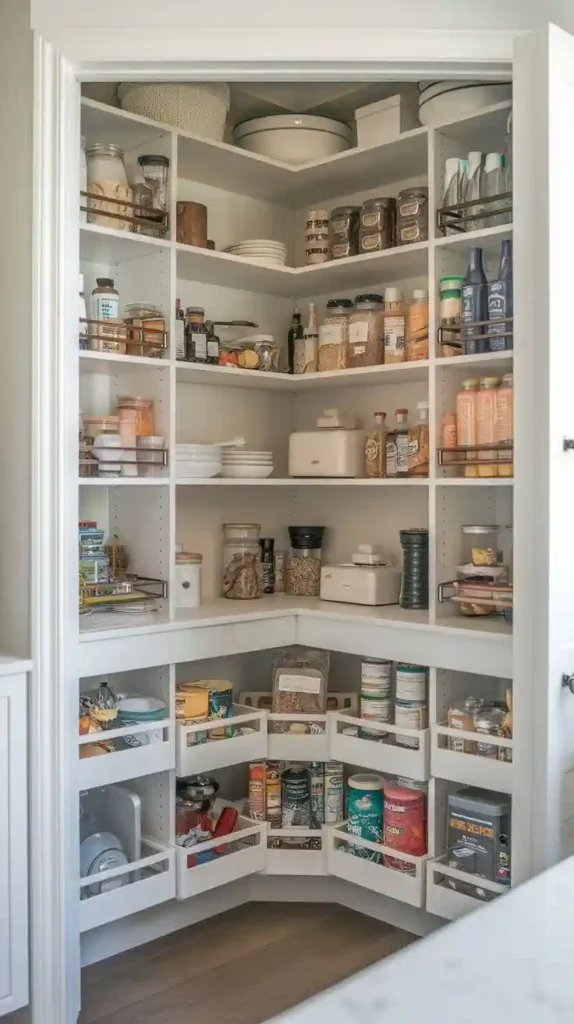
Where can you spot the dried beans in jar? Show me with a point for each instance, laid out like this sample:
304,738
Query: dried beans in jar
366,332
334,335
344,232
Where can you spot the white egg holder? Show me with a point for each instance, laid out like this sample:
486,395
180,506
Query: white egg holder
384,755
294,860
448,903
211,754
227,866
151,880
132,763
400,885
468,768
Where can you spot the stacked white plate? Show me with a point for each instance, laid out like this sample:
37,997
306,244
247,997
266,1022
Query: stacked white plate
239,462
262,250
197,460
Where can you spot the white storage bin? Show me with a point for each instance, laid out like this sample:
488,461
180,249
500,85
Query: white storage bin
446,902
385,120
295,861
470,769
245,856
157,755
151,880
387,881
380,755
299,746
210,754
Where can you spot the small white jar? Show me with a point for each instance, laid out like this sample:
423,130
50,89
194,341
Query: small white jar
187,579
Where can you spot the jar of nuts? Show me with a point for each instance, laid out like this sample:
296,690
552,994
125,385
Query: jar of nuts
241,561
303,578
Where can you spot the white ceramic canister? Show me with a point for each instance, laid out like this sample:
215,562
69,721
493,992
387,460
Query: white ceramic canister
316,237
187,579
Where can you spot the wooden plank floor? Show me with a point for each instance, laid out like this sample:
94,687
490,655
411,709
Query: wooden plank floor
244,966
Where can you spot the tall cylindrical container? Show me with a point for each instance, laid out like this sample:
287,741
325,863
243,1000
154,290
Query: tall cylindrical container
415,574
334,797
404,825
486,402
504,429
317,787
365,812
466,421
241,561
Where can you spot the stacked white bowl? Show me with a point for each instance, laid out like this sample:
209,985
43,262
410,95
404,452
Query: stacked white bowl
239,462
261,250
197,460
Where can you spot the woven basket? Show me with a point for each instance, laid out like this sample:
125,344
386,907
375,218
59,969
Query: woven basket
195,107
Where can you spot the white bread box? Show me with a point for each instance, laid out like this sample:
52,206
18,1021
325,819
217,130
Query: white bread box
361,584
335,449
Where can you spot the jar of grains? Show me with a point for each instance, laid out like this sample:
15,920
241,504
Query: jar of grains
334,335
344,232
366,332
241,578
377,224
303,577
412,215
107,178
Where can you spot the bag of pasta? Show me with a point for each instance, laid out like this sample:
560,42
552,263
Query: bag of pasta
299,684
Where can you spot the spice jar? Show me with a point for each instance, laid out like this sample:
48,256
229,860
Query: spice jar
344,232
394,326
377,224
366,331
316,237
144,412
504,426
450,311
144,342
486,402
241,561
412,215
334,335
466,421
417,326
303,577
107,178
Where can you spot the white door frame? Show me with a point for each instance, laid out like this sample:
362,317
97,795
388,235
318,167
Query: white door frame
62,58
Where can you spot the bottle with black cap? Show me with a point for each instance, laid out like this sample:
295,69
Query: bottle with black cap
267,564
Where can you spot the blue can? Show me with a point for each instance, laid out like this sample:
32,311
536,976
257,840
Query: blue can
365,799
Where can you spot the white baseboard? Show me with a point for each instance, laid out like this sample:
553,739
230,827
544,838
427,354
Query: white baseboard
400,915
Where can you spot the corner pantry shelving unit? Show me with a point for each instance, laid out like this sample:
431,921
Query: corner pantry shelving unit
248,196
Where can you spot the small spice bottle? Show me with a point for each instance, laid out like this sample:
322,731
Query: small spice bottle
394,337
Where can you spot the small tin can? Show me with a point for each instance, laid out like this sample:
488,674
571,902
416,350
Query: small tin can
334,799
273,793
317,787
489,721
296,798
257,790
404,825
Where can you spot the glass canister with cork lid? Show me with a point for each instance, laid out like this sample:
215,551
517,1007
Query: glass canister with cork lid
334,335
107,179
366,332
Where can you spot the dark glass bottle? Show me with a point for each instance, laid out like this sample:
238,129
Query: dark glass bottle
213,345
180,352
474,304
500,302
295,334
267,564
195,335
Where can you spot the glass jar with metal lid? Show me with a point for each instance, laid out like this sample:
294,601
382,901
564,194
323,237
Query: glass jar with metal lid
344,232
412,215
334,335
377,224
107,178
480,545
155,170
366,331
242,572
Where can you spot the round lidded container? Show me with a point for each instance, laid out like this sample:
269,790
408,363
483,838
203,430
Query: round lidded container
242,576
303,577
188,579
107,178
366,331
344,232
489,721
480,547
375,698
144,412
365,810
415,575
377,224
334,335
412,215
460,715
405,825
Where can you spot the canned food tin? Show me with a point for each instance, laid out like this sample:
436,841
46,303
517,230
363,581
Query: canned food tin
489,721
365,811
257,790
317,787
404,825
334,802
376,674
296,798
411,682
273,793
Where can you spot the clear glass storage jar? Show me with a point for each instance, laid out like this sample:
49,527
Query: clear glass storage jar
242,573
366,332
155,171
144,412
334,335
303,578
107,178
480,546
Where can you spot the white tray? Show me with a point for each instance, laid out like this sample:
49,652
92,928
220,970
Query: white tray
376,877
381,756
470,769
446,902
296,861
153,883
127,764
247,860
213,754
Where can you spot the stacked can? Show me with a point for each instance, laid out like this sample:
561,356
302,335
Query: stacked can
375,694
411,704
415,576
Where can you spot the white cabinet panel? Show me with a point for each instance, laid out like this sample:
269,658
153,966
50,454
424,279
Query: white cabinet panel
13,845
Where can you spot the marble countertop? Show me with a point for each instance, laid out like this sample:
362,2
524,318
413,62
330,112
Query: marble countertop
511,962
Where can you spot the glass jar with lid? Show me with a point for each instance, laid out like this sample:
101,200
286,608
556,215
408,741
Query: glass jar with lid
480,546
150,319
155,171
107,178
242,572
366,332
334,335
195,335
144,412
303,577
481,564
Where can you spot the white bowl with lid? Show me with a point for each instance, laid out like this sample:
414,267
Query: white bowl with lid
293,138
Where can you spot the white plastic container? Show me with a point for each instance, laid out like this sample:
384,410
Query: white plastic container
187,580
385,120
360,584
336,453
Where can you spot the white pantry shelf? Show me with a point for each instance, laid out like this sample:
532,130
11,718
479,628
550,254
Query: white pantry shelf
301,482
233,376
487,238
110,362
123,481
99,244
485,481
500,362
